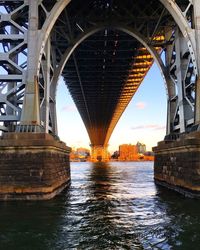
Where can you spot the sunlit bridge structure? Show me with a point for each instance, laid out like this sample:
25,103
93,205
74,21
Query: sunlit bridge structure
103,49
102,76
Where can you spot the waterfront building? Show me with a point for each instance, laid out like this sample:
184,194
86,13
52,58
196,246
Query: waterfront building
128,152
141,148
80,154
83,152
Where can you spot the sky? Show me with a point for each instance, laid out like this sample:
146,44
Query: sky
144,119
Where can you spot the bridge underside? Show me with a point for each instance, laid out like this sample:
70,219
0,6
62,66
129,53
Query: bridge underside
106,69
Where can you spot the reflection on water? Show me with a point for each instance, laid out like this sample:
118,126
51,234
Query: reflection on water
108,206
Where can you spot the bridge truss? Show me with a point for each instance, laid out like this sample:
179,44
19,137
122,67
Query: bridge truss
103,50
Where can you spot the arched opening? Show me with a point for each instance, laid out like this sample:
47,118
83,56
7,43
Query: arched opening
128,34
148,128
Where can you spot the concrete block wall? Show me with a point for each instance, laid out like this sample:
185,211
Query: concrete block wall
177,165
32,166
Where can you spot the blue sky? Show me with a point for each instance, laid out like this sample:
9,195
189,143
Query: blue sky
144,119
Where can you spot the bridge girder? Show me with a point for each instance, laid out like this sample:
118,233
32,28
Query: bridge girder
32,105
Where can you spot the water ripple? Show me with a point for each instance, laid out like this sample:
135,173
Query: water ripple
112,206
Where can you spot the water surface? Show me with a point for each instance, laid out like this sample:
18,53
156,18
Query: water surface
108,206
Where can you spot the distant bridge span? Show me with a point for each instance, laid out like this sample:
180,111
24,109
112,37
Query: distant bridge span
103,50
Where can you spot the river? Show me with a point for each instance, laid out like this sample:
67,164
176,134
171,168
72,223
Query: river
108,206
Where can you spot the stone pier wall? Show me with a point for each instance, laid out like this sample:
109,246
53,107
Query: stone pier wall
33,166
177,164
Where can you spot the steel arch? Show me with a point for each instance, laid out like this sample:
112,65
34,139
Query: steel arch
170,5
128,30
133,33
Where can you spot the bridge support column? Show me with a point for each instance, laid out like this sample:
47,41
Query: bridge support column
177,164
99,154
33,166
197,40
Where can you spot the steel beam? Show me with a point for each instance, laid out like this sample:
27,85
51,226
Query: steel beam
196,5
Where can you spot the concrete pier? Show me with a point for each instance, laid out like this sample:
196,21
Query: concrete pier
33,166
99,153
177,164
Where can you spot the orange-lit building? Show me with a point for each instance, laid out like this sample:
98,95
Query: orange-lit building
80,154
149,156
128,152
83,151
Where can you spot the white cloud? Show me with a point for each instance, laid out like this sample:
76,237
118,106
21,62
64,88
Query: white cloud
149,126
69,108
140,105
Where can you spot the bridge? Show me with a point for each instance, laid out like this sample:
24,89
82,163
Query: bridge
103,49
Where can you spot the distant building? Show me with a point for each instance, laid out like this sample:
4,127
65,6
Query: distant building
73,155
80,154
83,152
128,152
141,148
149,156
